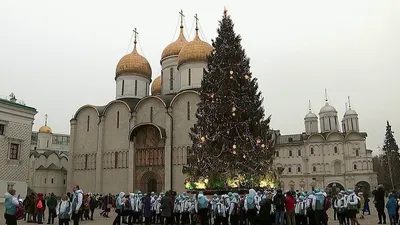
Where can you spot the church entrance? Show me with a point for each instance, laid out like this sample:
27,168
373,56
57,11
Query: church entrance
152,185
149,142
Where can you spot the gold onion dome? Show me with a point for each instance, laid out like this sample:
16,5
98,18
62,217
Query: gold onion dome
195,51
133,63
156,86
175,47
45,129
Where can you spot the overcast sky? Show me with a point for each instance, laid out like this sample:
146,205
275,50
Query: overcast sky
59,55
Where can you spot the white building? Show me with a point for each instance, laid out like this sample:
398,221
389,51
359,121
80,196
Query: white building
48,163
16,121
332,156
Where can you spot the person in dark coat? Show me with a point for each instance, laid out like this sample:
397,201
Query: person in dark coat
379,201
265,210
147,209
166,207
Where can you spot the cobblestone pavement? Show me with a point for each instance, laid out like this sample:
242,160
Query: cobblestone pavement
368,220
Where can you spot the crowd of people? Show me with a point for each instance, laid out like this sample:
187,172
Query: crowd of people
254,208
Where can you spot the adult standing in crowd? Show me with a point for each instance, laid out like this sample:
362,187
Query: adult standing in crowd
77,197
51,205
11,203
166,208
379,201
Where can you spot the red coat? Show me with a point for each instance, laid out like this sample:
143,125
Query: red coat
290,202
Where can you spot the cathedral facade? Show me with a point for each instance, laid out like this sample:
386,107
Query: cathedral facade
140,141
326,157
48,162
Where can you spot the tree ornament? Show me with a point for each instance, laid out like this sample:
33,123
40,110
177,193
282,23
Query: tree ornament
231,77
234,146
231,72
233,114
203,139
233,109
246,77
263,146
244,156
258,141
234,152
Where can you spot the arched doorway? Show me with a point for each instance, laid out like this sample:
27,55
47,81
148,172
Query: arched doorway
152,185
363,186
334,188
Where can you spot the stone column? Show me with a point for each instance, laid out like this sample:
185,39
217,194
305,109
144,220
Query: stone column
99,156
168,151
70,174
131,157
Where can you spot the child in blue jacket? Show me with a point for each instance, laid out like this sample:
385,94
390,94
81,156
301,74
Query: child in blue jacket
391,206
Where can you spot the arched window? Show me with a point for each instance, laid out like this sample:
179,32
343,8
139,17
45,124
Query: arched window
289,169
335,149
52,180
299,152
116,160
64,181
151,114
135,87
290,153
312,151
277,154
357,153
117,119
45,180
190,77
188,110
355,166
299,169
314,169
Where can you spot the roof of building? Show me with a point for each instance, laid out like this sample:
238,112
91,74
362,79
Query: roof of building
11,103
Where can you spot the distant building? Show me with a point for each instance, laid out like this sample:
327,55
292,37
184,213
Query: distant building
335,156
48,161
16,120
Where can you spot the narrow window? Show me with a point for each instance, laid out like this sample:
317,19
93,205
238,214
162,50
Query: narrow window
117,119
290,153
64,181
88,122
146,91
355,166
299,169
47,143
312,151
14,151
190,77
352,125
116,160
289,170
277,154
86,161
314,169
330,126
2,129
151,114
357,153
188,110
135,87
123,87
45,180
335,149
290,139
171,79
299,152
52,180
336,123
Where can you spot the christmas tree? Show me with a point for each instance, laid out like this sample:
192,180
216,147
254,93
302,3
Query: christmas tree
391,160
231,139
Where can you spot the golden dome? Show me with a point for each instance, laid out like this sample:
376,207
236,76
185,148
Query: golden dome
175,47
194,51
133,63
45,129
156,86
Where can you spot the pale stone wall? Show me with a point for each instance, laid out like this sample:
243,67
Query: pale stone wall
18,121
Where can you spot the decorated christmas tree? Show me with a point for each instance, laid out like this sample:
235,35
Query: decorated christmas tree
231,139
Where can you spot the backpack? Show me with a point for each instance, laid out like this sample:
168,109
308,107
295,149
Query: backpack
203,203
19,214
127,205
64,215
39,204
353,203
319,202
251,204
327,204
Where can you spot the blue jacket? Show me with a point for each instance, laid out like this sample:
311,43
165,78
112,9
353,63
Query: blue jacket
391,205
10,206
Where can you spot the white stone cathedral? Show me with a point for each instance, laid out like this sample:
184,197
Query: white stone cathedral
326,158
140,141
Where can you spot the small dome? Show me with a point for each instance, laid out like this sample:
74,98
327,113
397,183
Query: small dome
175,47
45,129
134,63
156,86
311,115
327,109
195,51
350,112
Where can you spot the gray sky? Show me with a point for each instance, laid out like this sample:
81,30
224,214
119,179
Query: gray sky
59,55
